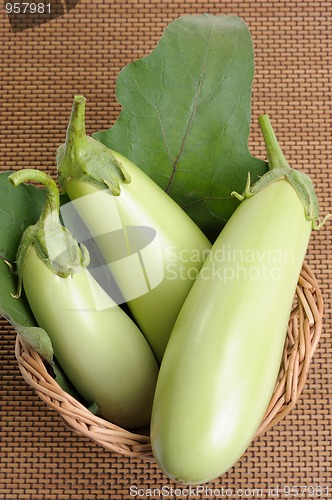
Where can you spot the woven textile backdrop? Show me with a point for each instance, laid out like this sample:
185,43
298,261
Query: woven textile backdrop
82,51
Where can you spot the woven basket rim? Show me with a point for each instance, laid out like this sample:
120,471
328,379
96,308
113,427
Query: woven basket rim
304,331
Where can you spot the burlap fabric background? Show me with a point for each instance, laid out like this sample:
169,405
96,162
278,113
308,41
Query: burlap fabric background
82,52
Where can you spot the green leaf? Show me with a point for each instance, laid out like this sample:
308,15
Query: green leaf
17,312
185,115
19,208
38,339
14,310
61,378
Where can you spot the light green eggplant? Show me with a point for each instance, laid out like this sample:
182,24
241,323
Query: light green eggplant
224,354
100,349
152,248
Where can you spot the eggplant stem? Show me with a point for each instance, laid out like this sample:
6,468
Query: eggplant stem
275,155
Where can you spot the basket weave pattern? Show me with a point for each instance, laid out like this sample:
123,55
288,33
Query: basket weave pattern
304,330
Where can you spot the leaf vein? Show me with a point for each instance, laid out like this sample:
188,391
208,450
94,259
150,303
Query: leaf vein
192,115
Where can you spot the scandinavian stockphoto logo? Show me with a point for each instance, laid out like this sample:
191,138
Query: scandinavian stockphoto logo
125,260
25,15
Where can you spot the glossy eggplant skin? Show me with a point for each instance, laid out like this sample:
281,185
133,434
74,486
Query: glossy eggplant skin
127,199
223,357
102,351
179,252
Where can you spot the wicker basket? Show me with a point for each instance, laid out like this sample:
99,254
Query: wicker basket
304,331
